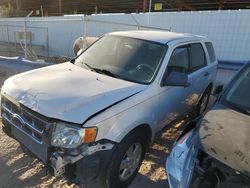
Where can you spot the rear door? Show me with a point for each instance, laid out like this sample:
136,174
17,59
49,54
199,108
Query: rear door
200,70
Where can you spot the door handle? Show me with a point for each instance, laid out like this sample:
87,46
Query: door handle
206,74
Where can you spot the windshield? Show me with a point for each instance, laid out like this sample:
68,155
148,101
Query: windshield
124,58
238,95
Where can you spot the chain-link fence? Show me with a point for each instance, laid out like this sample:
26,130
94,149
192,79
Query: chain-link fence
31,42
36,39
52,39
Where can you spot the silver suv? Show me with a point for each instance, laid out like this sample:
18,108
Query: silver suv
94,117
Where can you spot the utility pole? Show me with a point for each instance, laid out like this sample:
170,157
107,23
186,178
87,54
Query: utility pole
60,7
41,7
41,10
149,11
150,6
221,4
144,6
18,4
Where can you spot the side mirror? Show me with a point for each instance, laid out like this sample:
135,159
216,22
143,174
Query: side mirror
178,79
218,90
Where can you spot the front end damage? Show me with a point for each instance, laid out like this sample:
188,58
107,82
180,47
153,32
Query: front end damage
81,165
34,132
61,158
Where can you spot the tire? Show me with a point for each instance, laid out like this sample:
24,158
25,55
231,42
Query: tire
116,174
203,103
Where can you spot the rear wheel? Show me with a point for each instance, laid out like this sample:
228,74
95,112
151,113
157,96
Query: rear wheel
127,160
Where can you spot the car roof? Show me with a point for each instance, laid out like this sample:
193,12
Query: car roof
157,36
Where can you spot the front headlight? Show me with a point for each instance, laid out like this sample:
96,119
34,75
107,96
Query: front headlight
68,136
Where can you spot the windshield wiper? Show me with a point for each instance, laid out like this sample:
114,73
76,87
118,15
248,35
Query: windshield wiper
102,71
106,72
88,66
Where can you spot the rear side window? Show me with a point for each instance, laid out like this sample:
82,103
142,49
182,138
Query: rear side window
198,58
211,52
179,61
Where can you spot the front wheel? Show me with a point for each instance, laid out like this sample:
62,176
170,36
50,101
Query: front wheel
127,160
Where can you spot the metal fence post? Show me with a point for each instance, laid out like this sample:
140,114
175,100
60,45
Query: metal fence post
8,37
25,33
25,38
47,38
137,23
149,12
85,27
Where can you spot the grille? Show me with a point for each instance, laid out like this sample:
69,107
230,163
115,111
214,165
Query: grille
24,120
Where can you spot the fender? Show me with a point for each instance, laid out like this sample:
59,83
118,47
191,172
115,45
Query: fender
118,126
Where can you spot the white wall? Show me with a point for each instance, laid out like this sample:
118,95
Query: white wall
229,30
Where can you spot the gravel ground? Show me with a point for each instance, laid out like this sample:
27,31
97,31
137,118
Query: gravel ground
20,170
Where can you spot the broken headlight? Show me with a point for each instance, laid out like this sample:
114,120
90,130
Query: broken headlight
69,136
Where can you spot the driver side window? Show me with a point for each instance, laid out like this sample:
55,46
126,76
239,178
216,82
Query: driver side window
179,60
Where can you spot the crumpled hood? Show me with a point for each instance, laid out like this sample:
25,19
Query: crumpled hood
224,134
68,92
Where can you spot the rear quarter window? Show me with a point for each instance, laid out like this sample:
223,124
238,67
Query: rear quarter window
211,52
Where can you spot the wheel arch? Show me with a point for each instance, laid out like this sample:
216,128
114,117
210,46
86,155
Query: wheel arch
210,86
145,128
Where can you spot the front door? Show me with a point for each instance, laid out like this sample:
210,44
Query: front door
174,100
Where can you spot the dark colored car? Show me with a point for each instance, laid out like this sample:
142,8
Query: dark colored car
214,151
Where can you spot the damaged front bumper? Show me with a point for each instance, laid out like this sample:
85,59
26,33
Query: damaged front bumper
59,159
33,132
79,166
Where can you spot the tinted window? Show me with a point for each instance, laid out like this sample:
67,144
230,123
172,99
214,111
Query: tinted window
198,59
238,94
179,61
210,50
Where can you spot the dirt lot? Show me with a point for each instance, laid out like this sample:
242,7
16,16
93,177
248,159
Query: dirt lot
20,170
